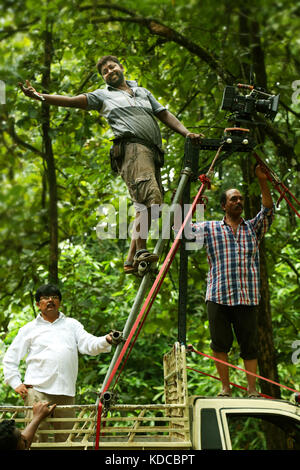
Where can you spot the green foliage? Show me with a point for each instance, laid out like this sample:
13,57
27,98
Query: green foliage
95,290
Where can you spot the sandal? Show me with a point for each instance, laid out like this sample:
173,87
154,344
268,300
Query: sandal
144,255
254,395
224,394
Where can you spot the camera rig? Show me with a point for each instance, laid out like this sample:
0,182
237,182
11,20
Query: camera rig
237,138
240,139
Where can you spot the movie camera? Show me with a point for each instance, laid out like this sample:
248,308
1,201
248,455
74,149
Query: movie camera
243,107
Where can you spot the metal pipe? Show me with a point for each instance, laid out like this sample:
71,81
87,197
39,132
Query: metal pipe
106,398
117,337
185,175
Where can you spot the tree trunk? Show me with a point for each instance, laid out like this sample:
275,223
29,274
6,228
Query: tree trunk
50,161
250,39
266,350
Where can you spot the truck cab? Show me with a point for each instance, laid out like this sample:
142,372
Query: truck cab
244,424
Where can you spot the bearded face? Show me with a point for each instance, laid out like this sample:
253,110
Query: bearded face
113,74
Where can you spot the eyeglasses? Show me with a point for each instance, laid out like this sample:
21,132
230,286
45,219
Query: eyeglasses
48,297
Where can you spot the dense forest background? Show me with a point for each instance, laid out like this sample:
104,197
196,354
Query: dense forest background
55,172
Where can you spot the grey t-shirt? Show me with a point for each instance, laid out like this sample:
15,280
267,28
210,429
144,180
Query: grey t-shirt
128,115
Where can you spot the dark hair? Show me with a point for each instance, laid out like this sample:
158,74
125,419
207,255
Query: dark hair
8,437
104,59
47,289
223,197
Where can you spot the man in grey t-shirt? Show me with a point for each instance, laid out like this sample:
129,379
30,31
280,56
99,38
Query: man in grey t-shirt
131,112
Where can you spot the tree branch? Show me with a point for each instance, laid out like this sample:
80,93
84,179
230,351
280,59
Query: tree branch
11,131
159,29
107,6
7,32
284,148
289,110
287,260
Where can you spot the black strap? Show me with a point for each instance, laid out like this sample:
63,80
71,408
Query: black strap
136,140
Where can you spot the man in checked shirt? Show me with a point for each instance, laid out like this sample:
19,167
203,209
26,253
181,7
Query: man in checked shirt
233,283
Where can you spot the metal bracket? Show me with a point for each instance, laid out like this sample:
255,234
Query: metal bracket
107,399
117,337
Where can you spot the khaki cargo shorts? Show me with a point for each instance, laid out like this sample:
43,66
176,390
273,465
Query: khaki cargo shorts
141,176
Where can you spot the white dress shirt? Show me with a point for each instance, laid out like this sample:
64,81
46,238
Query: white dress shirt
52,354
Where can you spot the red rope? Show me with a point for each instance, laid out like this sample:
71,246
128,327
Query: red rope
205,179
191,348
278,185
231,383
98,427
130,349
283,196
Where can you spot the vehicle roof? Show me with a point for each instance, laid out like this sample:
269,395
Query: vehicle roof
245,403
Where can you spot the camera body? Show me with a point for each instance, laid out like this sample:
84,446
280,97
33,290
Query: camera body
240,137
244,106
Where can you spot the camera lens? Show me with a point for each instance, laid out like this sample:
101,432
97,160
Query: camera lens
263,106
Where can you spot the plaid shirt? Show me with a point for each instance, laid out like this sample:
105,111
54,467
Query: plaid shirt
234,271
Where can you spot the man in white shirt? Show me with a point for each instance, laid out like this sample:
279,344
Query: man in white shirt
51,343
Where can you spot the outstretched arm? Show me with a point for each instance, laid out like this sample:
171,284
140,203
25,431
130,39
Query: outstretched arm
79,101
265,191
40,411
173,123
